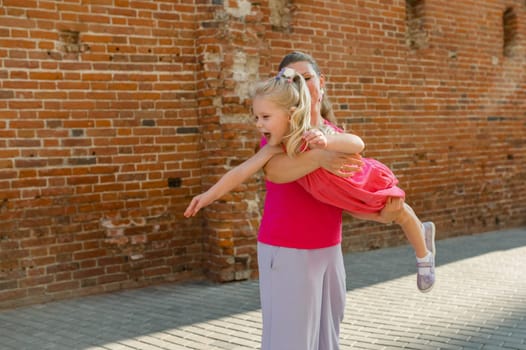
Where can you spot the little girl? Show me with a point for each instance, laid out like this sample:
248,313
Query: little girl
281,107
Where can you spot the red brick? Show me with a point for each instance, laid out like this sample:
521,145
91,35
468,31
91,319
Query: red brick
62,286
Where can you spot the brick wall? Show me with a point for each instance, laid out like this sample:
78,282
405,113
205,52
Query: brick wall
99,132
113,114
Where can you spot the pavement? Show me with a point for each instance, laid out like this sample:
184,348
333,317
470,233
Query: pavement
478,302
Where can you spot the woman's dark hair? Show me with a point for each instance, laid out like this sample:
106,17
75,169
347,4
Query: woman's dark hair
298,56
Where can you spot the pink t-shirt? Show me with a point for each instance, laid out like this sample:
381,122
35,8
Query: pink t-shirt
292,218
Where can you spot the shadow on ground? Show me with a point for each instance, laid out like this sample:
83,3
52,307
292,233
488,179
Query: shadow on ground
104,319
377,266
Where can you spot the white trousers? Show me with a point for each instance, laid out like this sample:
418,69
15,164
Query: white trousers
302,297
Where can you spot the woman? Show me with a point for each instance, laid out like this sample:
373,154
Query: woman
301,270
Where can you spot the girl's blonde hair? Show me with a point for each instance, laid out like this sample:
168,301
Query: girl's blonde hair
289,91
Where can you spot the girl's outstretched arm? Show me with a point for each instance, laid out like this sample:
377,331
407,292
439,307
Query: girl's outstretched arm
232,179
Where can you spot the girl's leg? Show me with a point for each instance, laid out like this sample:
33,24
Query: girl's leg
408,221
413,230
422,238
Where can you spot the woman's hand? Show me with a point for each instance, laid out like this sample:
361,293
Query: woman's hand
341,164
392,210
388,215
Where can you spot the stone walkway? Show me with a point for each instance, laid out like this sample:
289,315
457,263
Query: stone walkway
479,302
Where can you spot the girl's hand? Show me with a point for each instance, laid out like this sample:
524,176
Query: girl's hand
197,203
315,139
341,164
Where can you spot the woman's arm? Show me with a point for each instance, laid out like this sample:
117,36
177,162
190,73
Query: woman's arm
336,153
282,168
232,179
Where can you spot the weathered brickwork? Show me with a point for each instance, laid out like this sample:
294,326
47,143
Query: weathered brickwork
113,114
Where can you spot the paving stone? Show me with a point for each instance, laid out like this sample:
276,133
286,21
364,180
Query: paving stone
478,304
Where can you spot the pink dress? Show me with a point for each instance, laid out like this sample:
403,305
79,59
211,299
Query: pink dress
365,192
